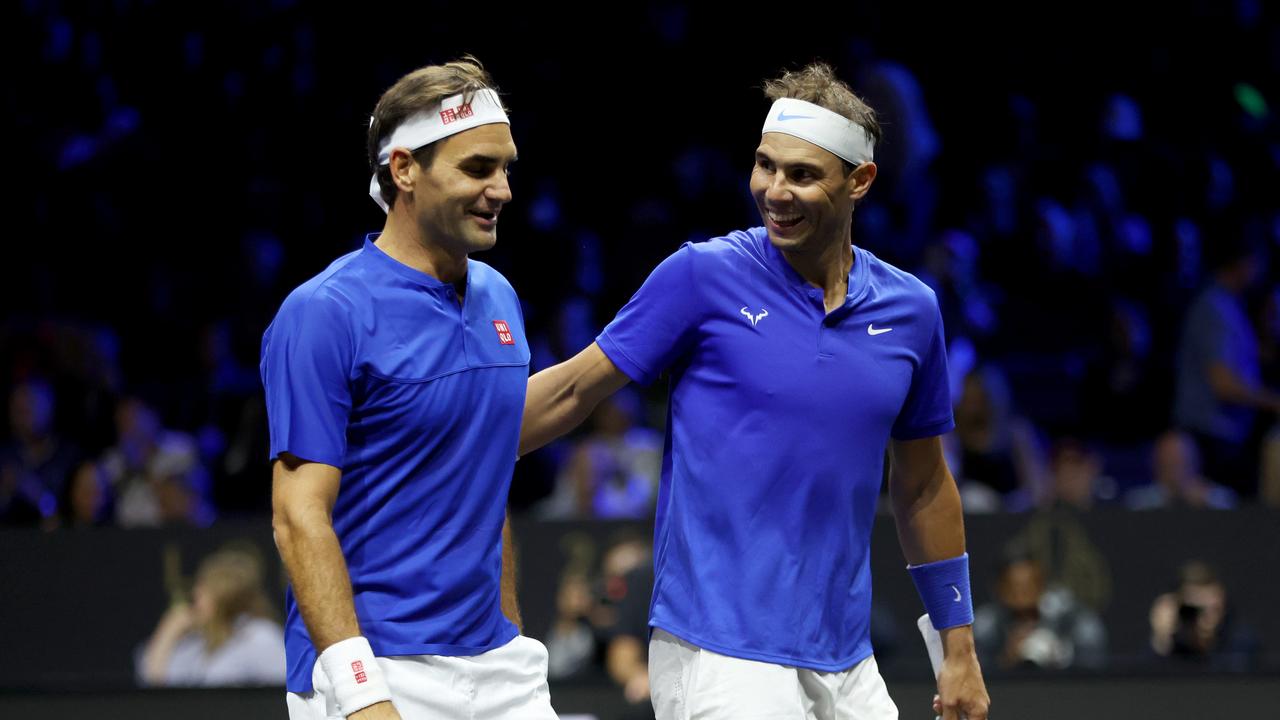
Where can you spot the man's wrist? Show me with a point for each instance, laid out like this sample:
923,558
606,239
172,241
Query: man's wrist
958,641
354,674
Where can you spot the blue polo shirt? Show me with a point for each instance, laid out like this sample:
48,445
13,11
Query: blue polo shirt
779,418
377,369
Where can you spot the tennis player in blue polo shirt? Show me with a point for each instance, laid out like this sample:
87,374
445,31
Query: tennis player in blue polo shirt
795,358
395,380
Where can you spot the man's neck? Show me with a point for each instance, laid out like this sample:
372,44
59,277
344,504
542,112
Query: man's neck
827,269
404,241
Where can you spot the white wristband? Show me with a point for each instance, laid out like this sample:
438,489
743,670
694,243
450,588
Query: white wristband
354,673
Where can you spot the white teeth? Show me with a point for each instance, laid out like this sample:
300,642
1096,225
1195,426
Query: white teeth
783,218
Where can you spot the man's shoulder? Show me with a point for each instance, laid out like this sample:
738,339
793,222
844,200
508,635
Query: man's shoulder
724,254
729,246
902,285
486,278
329,295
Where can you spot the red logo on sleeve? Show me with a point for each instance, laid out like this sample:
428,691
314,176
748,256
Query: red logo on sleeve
504,332
357,667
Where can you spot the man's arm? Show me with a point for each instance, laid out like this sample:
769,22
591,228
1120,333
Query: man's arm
1230,388
510,604
926,506
625,660
561,397
302,498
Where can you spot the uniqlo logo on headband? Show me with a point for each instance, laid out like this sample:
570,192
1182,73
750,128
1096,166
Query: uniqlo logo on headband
458,113
504,332
357,667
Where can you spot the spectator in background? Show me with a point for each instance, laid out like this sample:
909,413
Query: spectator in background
1194,623
1176,479
1219,384
571,640
226,636
1124,394
1076,477
998,452
573,646
1034,625
156,473
88,501
613,472
36,462
628,584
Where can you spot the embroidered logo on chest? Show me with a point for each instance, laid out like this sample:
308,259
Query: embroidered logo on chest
504,332
755,319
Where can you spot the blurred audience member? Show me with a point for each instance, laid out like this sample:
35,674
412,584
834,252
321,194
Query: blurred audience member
628,585
614,471
1219,382
36,462
571,641
1176,479
156,473
226,636
1034,625
1195,623
998,452
1077,482
1124,395
88,501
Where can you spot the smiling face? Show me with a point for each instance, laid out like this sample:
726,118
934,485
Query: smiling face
804,194
458,194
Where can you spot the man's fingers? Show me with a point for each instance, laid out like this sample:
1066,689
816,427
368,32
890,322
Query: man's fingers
977,711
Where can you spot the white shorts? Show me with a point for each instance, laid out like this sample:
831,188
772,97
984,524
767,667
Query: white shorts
506,682
690,683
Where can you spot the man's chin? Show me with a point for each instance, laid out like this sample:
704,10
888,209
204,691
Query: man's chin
480,241
786,242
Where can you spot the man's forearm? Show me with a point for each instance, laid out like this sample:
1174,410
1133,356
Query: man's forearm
929,516
561,397
551,408
321,585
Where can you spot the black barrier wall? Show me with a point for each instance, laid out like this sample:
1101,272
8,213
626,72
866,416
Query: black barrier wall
75,605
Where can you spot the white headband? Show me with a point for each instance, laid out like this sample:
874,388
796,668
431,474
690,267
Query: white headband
830,131
450,117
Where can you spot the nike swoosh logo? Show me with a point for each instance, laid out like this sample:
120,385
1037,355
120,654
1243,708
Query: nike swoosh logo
953,587
871,330
783,116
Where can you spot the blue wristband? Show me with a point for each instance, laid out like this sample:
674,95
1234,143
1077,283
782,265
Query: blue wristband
944,588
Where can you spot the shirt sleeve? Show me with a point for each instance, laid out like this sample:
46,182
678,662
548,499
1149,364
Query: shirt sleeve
660,321
306,364
927,410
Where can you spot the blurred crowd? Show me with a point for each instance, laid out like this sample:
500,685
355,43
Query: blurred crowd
1104,252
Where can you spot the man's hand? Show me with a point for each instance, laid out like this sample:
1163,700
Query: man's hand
962,695
377,711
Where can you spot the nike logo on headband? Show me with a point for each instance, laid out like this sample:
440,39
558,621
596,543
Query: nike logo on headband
783,116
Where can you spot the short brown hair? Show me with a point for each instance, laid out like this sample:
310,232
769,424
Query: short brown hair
413,93
817,83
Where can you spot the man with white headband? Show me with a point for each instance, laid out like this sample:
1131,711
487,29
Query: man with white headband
795,359
395,382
